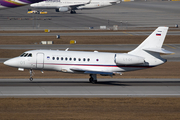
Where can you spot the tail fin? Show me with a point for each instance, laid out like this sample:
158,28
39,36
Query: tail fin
152,46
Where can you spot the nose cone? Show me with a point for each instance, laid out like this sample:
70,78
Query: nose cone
11,62
7,62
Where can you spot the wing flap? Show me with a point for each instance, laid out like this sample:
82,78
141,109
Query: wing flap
99,72
77,5
86,71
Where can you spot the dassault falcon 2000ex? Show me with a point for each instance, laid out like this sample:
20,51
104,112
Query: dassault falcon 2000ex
16,3
146,55
72,5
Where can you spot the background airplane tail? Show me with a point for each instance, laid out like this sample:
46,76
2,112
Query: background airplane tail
151,47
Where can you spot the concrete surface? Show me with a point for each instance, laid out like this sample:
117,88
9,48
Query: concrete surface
82,88
128,15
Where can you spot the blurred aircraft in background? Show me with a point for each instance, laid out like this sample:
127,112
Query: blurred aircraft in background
72,5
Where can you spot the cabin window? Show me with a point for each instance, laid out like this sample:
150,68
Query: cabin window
61,58
66,58
79,59
74,59
97,60
88,59
53,58
84,59
70,59
57,58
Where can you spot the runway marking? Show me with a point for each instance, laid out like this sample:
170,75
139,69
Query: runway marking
170,46
128,95
127,33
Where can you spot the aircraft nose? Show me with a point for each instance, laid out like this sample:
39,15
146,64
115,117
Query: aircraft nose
7,62
10,62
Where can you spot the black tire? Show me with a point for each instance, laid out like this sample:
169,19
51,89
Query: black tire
31,79
90,80
94,81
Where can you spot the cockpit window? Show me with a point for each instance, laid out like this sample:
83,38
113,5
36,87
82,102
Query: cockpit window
30,55
26,55
22,55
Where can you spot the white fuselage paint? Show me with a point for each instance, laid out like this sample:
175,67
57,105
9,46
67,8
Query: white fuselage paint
94,61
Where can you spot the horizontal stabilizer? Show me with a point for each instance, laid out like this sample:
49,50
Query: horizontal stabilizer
158,50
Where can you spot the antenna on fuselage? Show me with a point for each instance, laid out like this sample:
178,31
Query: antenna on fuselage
67,49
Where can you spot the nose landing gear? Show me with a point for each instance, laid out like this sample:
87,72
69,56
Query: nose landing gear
31,74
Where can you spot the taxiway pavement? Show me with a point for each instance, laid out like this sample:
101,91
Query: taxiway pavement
82,88
126,15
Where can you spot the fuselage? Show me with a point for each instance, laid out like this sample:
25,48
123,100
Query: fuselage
65,61
16,3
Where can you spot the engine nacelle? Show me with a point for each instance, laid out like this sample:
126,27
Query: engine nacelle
126,59
63,9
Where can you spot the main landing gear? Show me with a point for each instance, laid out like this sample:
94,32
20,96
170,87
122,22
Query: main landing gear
93,78
31,74
73,12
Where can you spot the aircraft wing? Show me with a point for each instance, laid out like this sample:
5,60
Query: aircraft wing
116,2
86,71
77,5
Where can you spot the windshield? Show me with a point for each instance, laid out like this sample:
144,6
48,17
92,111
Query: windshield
26,55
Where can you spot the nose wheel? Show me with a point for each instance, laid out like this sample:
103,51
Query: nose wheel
31,74
31,79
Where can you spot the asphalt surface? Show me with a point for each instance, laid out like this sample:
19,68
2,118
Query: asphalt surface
82,88
126,15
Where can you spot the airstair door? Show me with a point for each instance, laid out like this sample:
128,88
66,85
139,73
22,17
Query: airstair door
40,60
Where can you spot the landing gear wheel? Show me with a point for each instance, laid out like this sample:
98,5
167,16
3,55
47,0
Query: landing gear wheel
94,81
93,78
31,79
90,79
73,12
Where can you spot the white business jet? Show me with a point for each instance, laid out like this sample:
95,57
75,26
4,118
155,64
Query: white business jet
146,55
72,5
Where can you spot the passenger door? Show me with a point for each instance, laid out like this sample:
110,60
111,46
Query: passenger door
40,60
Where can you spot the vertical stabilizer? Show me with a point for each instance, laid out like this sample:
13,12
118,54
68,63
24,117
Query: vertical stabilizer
152,46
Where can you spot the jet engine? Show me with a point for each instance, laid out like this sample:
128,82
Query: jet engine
63,9
126,59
